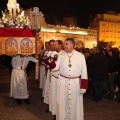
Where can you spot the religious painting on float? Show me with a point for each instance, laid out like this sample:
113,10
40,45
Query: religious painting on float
0,48
11,47
26,46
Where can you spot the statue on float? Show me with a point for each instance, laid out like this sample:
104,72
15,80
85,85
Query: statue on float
13,8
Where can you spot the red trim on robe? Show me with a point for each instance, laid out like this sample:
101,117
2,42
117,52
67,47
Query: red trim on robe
84,83
46,60
52,64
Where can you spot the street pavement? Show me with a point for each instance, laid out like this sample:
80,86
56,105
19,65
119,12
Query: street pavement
9,110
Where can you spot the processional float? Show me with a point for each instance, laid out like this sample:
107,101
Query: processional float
18,34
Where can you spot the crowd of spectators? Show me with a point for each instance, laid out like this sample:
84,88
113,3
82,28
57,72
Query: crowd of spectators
103,66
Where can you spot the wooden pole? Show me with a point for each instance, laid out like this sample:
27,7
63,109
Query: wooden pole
37,57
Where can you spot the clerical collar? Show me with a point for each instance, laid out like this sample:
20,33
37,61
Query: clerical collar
71,52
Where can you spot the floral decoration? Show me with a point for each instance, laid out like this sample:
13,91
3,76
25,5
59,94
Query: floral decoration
20,21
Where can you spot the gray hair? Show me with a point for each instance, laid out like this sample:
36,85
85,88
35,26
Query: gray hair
71,40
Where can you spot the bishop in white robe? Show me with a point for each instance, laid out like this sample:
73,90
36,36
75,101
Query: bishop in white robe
73,83
53,89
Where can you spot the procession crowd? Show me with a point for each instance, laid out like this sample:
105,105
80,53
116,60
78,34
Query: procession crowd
103,75
67,75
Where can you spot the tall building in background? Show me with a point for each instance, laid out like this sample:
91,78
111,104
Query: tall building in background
108,27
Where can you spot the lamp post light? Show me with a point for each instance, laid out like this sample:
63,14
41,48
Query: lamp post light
36,19
36,25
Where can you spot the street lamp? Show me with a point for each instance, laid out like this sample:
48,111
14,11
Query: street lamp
36,24
36,19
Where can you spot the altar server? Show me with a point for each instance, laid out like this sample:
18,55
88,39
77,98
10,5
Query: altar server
18,88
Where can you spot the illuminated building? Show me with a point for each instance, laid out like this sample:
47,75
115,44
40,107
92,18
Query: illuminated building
47,32
108,27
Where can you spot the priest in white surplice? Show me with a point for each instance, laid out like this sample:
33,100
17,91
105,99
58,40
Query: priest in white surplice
19,77
54,80
43,69
47,86
43,72
73,82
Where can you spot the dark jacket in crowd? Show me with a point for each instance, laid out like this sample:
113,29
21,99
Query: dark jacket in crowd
89,62
100,66
113,67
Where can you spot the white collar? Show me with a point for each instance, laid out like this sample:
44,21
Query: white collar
71,52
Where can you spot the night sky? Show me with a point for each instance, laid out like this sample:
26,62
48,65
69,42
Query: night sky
55,10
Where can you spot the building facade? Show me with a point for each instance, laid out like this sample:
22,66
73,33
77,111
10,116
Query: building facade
47,32
87,36
108,27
